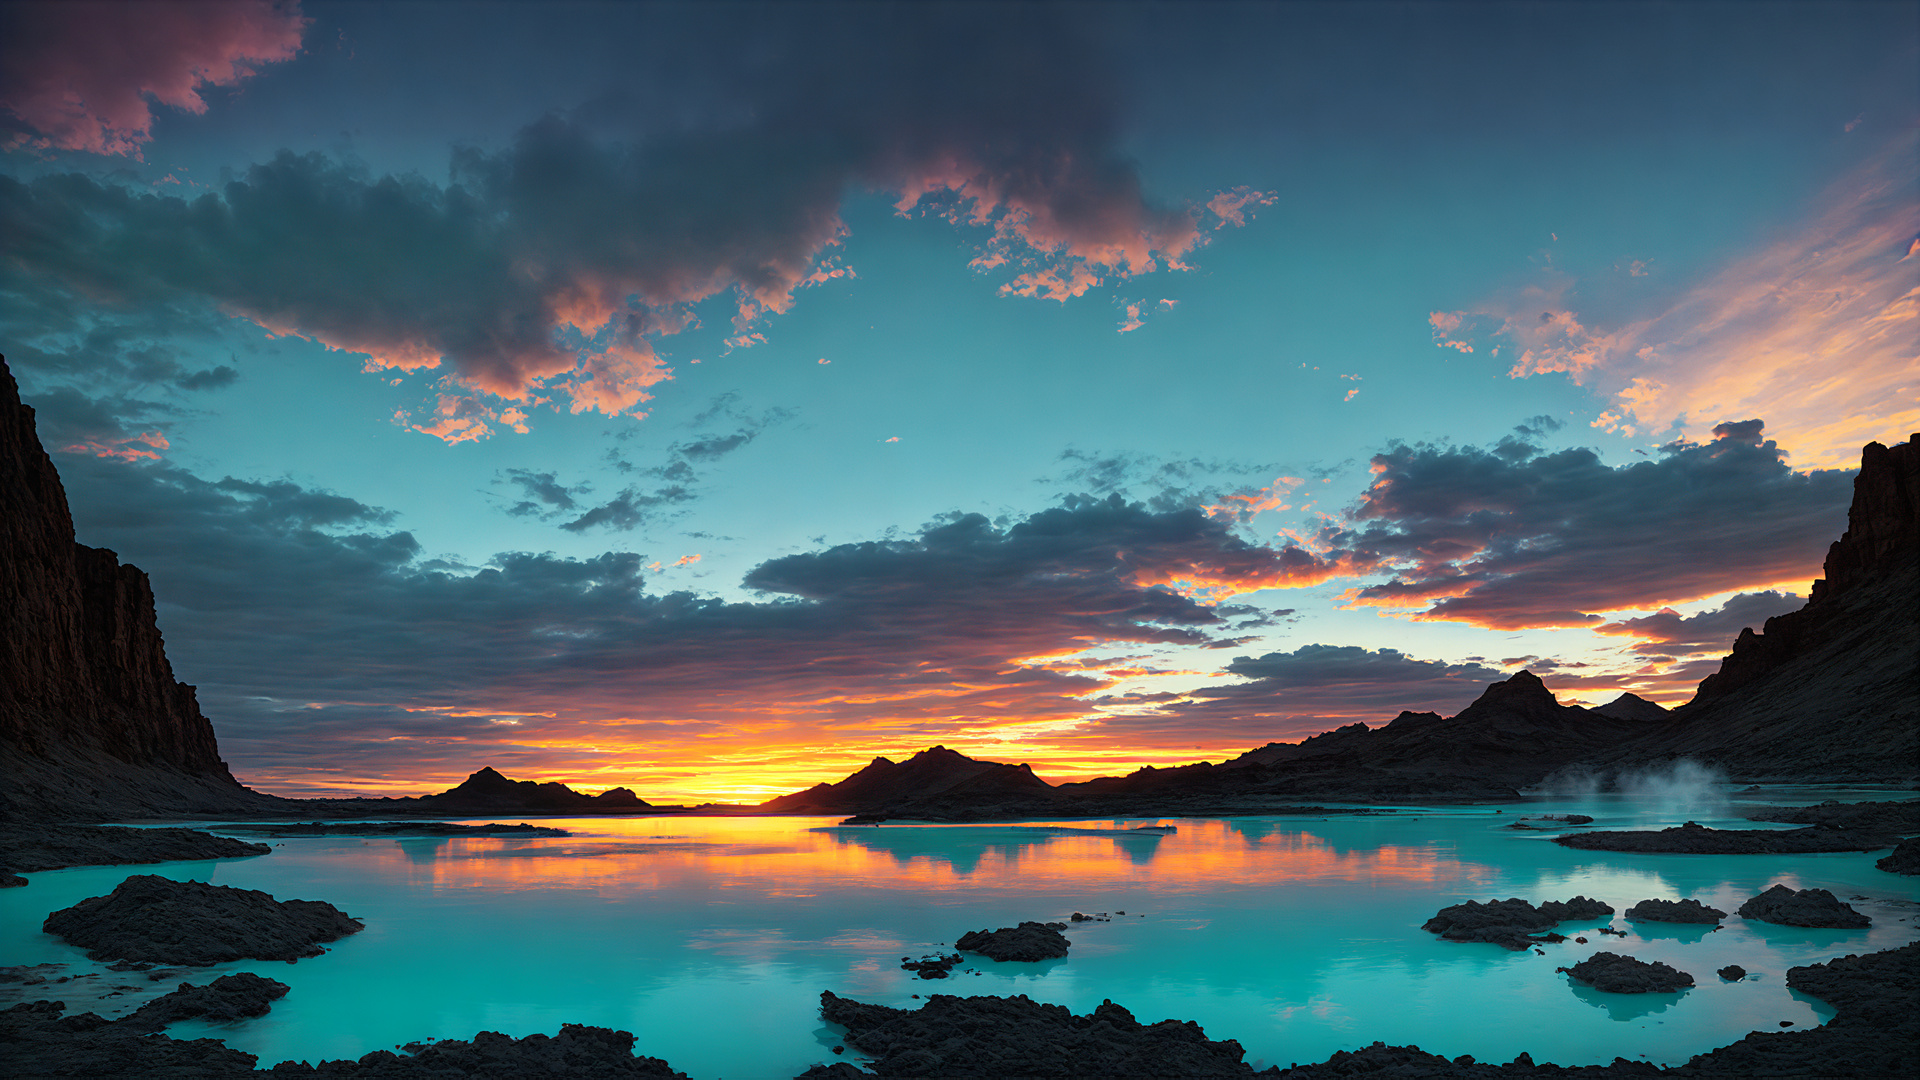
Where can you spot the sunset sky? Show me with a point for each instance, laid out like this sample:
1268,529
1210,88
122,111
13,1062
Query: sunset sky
707,398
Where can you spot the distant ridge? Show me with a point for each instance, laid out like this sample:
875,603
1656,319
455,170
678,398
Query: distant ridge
895,787
489,792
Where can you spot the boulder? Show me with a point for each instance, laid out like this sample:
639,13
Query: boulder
1732,973
1028,941
1685,911
1616,974
1806,907
159,920
1905,858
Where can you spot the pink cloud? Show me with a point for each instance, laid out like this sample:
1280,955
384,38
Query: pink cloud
686,560
124,448
1231,207
1133,320
80,73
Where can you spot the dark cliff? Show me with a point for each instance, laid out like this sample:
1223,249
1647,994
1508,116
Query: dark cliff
1831,691
92,721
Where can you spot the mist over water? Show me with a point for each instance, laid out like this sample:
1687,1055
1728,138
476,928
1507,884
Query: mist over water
711,938
1684,788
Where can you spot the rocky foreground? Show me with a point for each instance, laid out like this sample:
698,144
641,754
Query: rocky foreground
156,920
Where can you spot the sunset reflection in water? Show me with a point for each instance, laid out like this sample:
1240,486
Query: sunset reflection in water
803,857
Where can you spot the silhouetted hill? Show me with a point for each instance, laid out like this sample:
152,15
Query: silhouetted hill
489,792
93,724
889,787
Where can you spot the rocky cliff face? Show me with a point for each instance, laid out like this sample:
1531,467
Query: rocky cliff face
1831,691
92,721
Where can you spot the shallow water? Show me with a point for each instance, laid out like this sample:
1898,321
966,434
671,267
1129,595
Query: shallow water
711,938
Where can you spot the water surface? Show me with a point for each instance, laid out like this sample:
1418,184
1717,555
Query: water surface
712,938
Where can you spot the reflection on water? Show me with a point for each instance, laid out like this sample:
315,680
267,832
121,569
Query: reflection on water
712,938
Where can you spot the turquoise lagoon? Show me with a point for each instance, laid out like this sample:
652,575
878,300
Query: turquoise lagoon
711,938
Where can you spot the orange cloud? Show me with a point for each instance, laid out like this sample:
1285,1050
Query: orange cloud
125,448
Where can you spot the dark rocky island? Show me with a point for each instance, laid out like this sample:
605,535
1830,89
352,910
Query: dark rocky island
393,828
1617,974
1512,924
1904,860
592,1053
54,847
1014,1036
1685,911
1029,941
158,920
1805,907
229,997
1695,839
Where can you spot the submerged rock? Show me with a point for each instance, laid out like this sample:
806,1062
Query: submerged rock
1685,911
1807,907
1028,941
1618,974
1015,1036
931,967
159,920
577,1051
1905,858
1510,923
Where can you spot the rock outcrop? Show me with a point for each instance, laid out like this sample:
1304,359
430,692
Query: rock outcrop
1905,858
1804,907
578,1052
229,997
1029,941
1015,1036
1617,974
1685,911
92,721
153,919
1512,924
487,792
1696,839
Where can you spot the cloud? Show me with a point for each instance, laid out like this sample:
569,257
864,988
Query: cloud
1668,633
548,271
76,75
1814,331
1290,695
1513,537
302,610
545,496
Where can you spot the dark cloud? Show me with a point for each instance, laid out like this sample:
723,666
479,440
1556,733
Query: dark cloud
545,496
212,378
1667,632
1513,537
1165,484
1289,695
553,264
630,509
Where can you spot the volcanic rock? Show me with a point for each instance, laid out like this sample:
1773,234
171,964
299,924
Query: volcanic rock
1732,973
1510,923
1616,974
1695,839
52,847
1686,911
1890,819
1905,858
578,1051
1028,941
229,997
931,967
1015,1036
159,920
92,721
1807,907
39,1041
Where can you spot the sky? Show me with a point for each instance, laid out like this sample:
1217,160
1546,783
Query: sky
709,398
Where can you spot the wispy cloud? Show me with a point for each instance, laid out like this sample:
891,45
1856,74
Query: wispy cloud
1814,331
